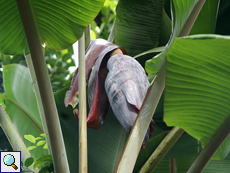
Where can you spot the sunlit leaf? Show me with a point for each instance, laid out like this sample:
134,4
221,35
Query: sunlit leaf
30,138
197,87
41,142
59,23
31,148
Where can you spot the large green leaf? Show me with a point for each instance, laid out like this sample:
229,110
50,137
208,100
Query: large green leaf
214,166
59,23
137,26
21,105
206,20
182,12
197,87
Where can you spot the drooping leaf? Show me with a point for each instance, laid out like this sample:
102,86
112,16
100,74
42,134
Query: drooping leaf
59,23
197,87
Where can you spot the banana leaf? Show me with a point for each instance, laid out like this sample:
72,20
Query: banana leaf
63,20
197,87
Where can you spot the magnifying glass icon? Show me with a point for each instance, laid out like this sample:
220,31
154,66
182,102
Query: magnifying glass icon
9,160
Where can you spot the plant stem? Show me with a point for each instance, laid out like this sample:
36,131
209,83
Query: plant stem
191,19
38,97
172,166
82,107
87,36
13,136
50,110
112,33
162,149
209,150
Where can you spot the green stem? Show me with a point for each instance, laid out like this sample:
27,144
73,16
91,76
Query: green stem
162,149
13,136
48,103
82,108
191,19
209,150
38,97
112,33
87,36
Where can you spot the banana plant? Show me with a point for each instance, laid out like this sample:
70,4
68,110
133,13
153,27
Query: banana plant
195,71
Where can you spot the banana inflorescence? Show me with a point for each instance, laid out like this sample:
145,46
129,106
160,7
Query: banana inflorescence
116,80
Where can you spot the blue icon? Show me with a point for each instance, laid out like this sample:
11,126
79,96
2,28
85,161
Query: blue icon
9,160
